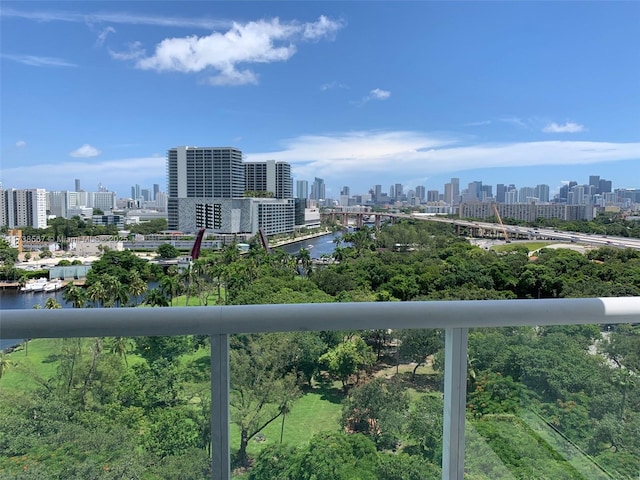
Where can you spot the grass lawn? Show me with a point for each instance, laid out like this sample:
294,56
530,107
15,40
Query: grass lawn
38,360
316,411
531,246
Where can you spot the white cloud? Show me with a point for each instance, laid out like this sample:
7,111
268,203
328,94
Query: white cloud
569,127
21,143
324,27
232,77
477,124
126,18
515,121
424,154
331,85
379,94
85,151
263,41
36,61
134,52
375,94
102,37
145,170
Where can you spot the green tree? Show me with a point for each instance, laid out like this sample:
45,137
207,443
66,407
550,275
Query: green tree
170,286
74,295
337,456
377,409
348,358
262,387
8,255
156,297
172,432
167,250
52,304
417,345
137,286
424,426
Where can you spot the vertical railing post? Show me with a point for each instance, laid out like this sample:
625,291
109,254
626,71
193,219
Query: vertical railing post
220,460
455,398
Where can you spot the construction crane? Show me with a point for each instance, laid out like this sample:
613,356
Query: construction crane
504,230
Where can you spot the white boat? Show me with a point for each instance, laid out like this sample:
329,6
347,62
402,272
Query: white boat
53,285
34,285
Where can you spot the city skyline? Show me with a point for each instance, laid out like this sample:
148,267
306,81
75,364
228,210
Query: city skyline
496,92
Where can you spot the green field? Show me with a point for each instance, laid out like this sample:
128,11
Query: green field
531,246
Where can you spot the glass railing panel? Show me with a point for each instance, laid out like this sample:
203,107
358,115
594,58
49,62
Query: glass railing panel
554,402
106,408
346,401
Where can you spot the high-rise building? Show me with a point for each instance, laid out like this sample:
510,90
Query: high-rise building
474,190
23,208
135,192
501,189
345,191
432,196
421,192
270,176
448,194
594,180
604,186
455,191
156,190
377,193
542,192
318,189
525,194
302,189
77,184
398,191
202,172
104,201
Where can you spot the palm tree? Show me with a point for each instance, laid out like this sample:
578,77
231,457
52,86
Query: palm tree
112,292
121,295
96,293
170,286
120,346
156,298
189,279
304,259
52,304
137,286
75,295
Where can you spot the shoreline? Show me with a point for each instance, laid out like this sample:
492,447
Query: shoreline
289,241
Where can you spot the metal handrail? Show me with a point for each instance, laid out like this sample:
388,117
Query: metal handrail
87,322
455,317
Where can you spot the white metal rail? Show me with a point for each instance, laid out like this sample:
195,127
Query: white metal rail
455,317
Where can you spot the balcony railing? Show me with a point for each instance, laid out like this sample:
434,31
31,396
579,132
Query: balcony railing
455,317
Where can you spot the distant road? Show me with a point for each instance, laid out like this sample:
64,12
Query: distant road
539,233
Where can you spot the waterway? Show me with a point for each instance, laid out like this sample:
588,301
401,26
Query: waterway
317,246
15,300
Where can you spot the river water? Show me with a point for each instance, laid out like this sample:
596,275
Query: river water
14,300
317,246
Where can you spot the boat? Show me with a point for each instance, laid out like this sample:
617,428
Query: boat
34,285
53,285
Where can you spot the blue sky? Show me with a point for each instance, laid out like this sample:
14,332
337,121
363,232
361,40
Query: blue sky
357,93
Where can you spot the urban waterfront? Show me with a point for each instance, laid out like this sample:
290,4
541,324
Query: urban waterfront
15,300
318,246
